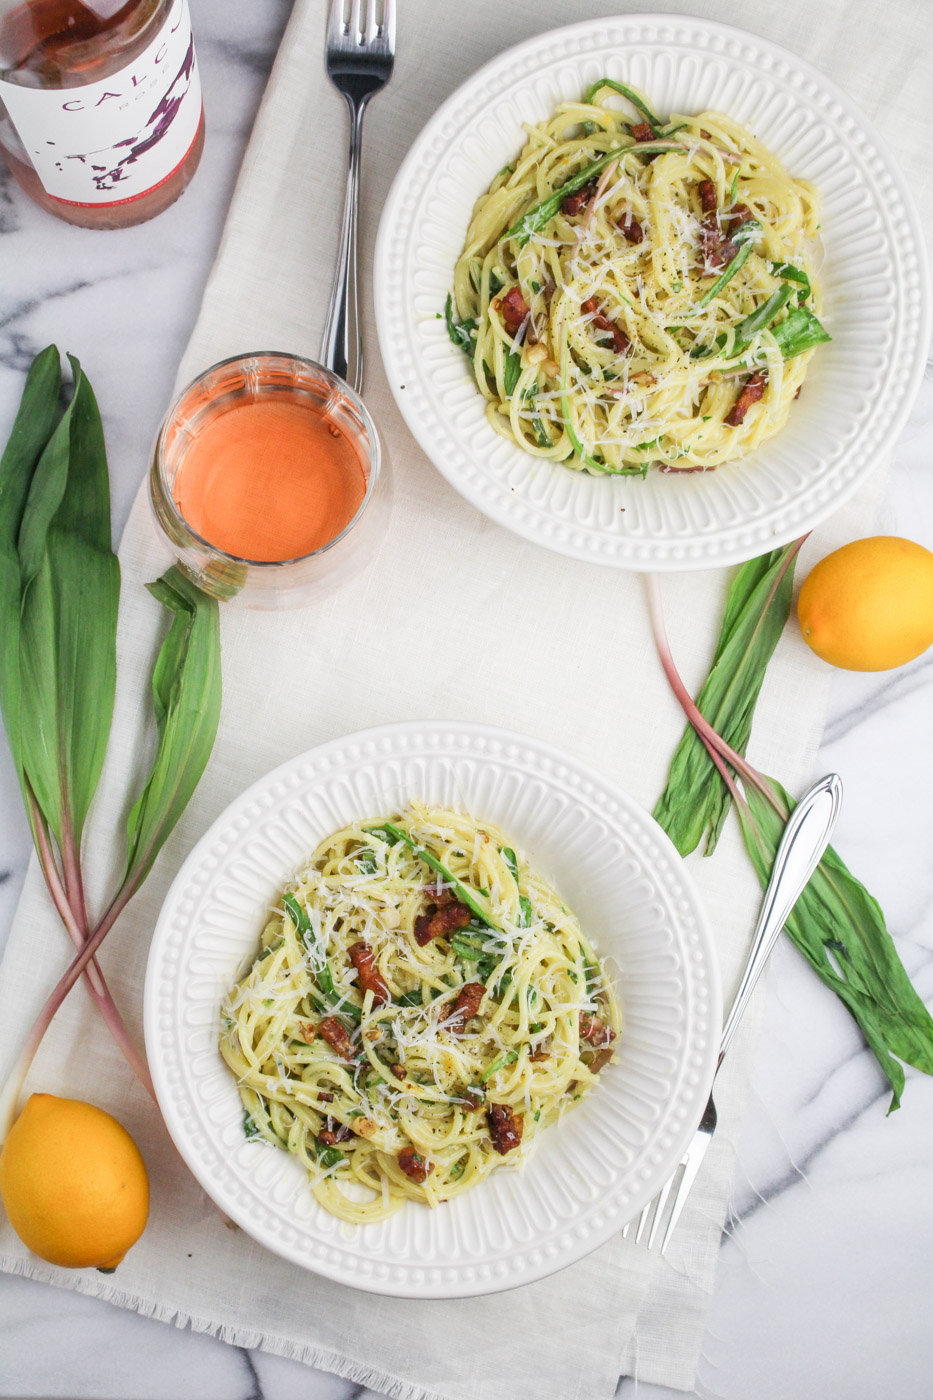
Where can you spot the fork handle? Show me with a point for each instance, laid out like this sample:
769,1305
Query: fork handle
342,346
805,838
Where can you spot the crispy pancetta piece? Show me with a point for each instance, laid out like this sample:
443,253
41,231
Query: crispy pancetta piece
333,1132
442,922
512,308
337,1036
594,1031
631,229
414,1165
576,202
466,1006
751,392
505,1127
371,979
602,322
707,192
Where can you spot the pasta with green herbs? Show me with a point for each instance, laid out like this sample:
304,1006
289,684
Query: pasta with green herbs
635,291
423,1006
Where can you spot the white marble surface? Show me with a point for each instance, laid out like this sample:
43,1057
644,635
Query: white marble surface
824,1286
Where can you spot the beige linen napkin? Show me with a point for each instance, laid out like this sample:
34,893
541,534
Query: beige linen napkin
372,652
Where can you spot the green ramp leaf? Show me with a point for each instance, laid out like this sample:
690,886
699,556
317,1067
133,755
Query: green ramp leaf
186,693
840,929
70,582
695,799
32,429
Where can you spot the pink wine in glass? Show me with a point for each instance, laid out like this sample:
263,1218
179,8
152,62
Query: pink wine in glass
101,119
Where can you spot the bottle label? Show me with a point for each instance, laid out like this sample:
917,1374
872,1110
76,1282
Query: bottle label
112,141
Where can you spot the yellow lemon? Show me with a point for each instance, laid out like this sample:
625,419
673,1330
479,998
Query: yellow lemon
74,1183
869,605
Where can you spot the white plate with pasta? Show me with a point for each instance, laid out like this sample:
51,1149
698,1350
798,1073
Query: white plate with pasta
656,293
432,963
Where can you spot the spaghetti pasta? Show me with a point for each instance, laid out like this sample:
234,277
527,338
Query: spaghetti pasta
423,1006
636,292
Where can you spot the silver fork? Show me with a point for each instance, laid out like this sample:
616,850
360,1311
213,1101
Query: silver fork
805,838
359,56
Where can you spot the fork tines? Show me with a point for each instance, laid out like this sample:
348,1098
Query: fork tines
362,23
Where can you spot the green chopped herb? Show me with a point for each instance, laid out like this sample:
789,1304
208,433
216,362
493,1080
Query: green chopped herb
499,1063
798,332
297,915
462,333
250,1127
366,861
328,1156
789,273
760,318
512,372
637,101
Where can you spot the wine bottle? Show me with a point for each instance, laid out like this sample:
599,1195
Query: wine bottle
101,119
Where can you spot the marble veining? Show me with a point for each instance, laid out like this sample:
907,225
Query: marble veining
823,1287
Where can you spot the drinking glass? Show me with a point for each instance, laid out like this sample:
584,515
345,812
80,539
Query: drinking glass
264,376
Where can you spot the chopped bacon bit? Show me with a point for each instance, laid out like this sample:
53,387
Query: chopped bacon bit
398,1070
334,1132
631,228
472,1098
601,1059
717,250
707,193
752,391
413,1164
595,1031
505,1127
578,200
337,1036
371,979
644,132
799,387
739,214
307,1031
324,1097
466,1006
602,322
543,1052
512,308
443,921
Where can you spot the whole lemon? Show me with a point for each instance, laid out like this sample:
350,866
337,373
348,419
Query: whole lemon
74,1183
869,605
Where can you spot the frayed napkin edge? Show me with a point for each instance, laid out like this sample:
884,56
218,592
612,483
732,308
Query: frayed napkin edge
249,1340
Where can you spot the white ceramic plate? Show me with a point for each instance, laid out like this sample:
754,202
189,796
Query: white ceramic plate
858,390
591,1173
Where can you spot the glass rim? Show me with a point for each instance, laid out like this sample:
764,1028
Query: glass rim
341,385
